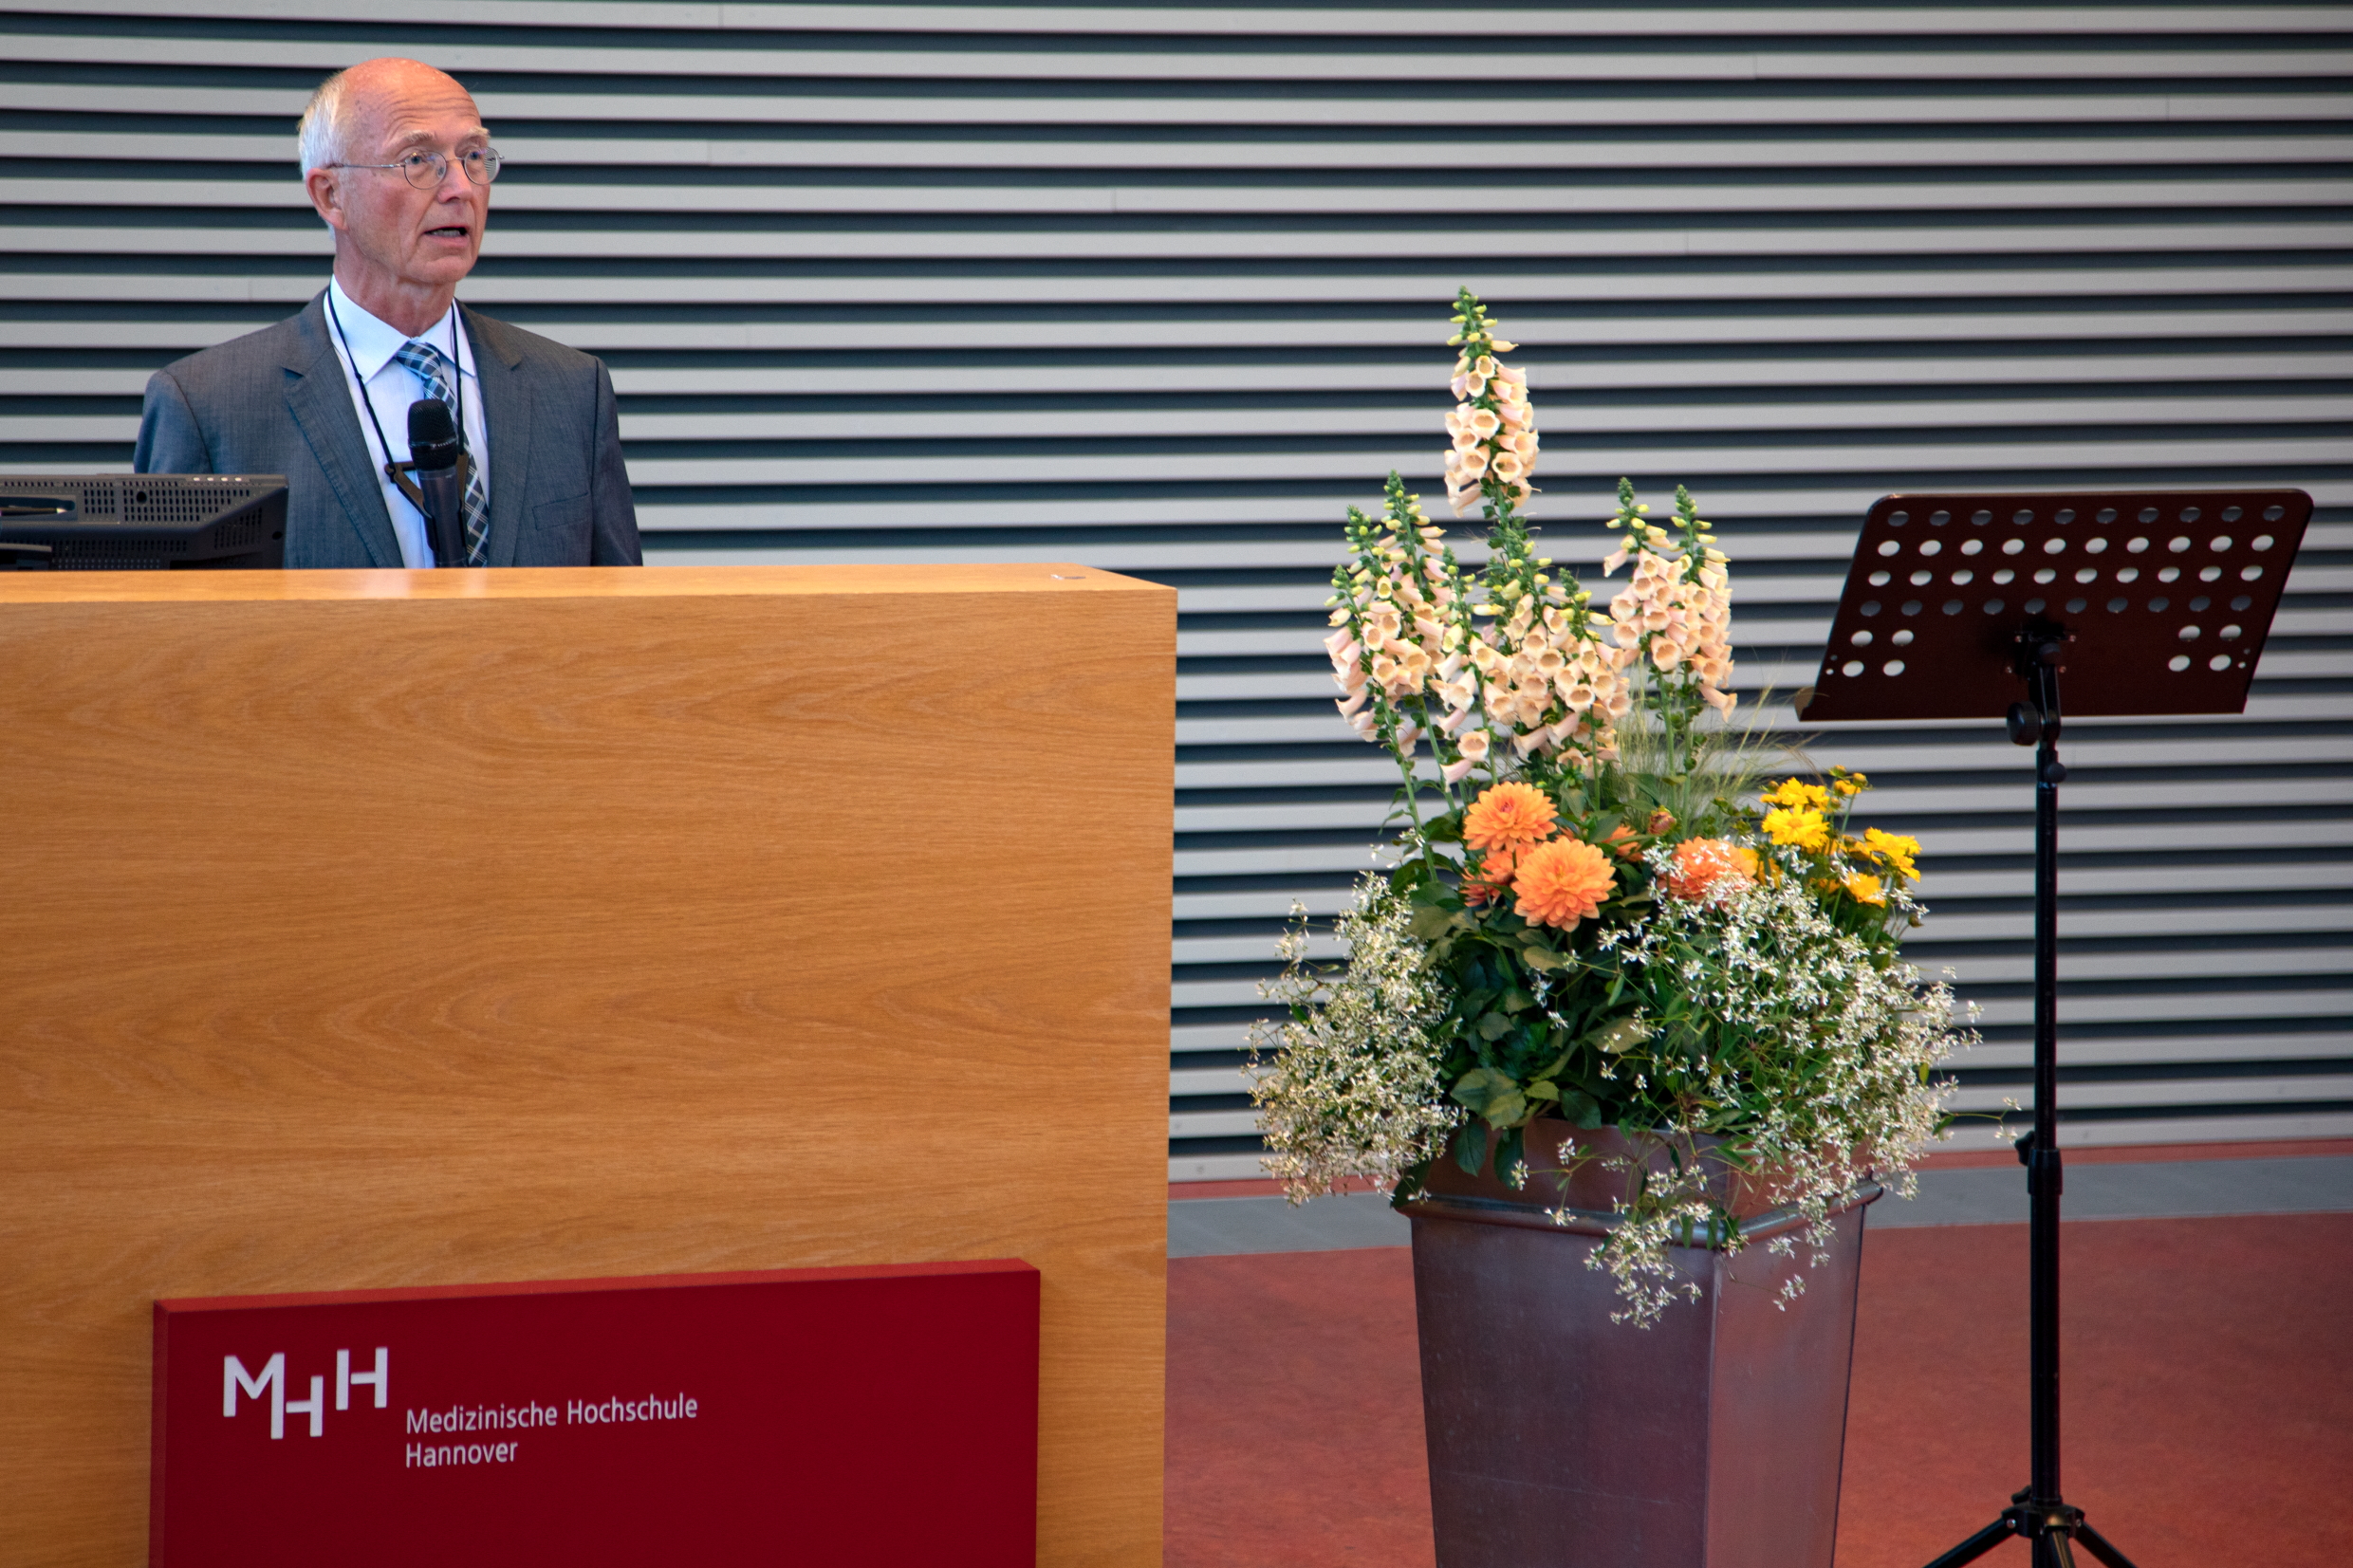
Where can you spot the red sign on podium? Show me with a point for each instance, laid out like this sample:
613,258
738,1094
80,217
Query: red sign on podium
877,1414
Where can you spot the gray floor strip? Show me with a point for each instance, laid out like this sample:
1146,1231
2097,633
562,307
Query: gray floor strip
1201,1227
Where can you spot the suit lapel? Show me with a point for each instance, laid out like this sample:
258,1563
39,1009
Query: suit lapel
507,410
320,402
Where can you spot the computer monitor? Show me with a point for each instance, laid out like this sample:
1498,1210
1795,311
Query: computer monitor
141,521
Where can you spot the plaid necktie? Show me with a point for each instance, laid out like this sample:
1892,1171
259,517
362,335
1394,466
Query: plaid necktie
427,364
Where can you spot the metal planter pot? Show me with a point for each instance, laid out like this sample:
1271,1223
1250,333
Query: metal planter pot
1710,1440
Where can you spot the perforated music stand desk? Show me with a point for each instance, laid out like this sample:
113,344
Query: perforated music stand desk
1973,607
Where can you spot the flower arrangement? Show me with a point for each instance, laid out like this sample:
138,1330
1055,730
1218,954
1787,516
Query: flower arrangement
1596,918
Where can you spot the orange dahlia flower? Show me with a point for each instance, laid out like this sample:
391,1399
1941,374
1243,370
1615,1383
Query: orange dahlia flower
1702,866
1491,877
1562,882
1508,815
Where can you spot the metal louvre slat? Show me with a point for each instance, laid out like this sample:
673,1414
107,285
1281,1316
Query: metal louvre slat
1003,195
2053,333
1147,239
1105,464
1210,62
1163,288
997,423
1159,290
1347,20
2090,104
931,381
1005,155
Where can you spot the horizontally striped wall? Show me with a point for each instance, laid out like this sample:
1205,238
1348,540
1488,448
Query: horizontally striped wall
1164,290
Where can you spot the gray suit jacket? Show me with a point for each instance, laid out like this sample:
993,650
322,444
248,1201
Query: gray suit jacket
278,401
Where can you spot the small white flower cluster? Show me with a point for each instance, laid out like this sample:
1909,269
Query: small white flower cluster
1352,1087
1492,427
1639,1253
1835,1079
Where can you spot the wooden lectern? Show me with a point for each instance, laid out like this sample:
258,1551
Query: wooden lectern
374,928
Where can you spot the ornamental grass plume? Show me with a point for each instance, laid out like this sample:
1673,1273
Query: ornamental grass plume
1603,912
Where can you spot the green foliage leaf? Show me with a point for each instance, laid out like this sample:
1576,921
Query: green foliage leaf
1495,1026
1511,1158
1494,1095
1543,960
1552,1069
1430,921
1418,880
1581,1109
1619,1037
1411,1180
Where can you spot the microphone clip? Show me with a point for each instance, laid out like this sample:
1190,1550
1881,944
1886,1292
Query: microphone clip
443,509
399,473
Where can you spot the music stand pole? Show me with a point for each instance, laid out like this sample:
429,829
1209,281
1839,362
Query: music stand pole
2039,1149
2041,1513
2143,601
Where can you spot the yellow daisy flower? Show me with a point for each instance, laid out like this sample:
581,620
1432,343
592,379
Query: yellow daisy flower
1803,827
1893,850
1866,889
1798,796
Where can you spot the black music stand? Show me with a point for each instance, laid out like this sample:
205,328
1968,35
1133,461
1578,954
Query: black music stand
2149,602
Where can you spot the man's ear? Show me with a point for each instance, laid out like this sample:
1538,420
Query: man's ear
325,187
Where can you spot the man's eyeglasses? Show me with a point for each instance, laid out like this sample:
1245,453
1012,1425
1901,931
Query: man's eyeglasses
426,171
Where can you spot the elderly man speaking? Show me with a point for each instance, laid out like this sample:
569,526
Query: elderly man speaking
397,163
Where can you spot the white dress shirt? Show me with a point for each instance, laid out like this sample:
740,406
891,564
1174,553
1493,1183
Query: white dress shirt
366,345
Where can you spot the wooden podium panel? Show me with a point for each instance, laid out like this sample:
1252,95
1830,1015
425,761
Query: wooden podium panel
372,929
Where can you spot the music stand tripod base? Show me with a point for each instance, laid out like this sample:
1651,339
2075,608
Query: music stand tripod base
1972,606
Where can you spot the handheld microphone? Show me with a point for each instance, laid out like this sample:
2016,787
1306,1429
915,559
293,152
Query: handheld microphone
435,448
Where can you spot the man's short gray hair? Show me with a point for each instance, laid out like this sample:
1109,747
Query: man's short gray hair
325,130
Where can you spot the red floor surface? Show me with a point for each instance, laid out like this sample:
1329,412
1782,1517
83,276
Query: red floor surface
2209,1412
